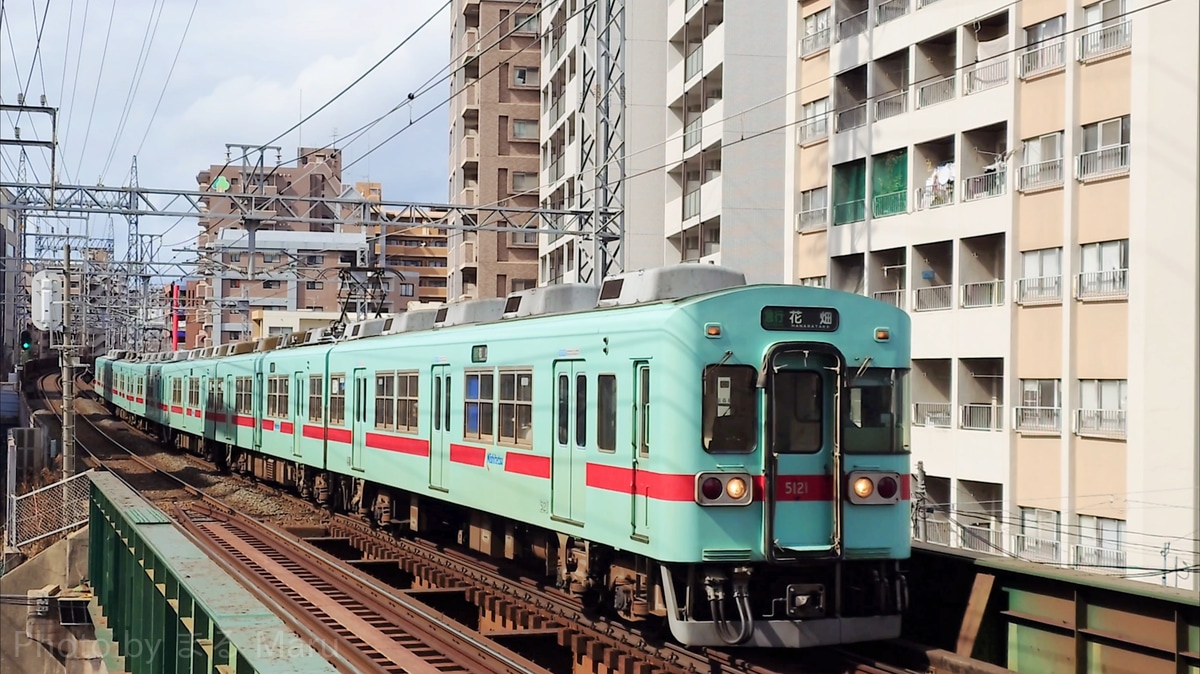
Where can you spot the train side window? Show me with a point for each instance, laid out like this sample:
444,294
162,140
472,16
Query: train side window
437,403
337,399
730,409
581,410
643,425
516,408
478,421
799,408
315,386
385,400
564,408
406,401
606,412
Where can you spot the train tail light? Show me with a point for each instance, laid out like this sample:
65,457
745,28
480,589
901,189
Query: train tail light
873,487
723,489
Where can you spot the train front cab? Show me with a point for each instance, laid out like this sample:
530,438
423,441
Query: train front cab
832,547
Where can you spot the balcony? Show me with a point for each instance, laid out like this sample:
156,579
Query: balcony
985,186
981,417
938,91
935,196
853,25
1037,419
984,76
1103,163
815,43
694,63
850,211
555,169
981,538
811,219
1035,548
893,203
1100,423
935,415
1040,176
934,298
557,108
692,133
890,10
470,96
891,105
468,149
1102,285
691,204
1039,290
851,118
1042,60
982,294
814,129
1098,560
892,297
1105,41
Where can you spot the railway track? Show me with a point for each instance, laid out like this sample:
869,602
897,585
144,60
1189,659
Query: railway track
515,608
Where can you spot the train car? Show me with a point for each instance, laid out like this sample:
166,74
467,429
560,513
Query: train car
676,446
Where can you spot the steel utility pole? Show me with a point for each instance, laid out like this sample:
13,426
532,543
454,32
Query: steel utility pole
66,356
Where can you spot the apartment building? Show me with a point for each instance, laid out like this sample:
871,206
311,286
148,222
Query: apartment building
10,286
1022,178
413,248
572,130
493,142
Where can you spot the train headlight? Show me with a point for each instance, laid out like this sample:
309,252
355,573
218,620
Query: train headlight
736,488
711,489
863,487
887,487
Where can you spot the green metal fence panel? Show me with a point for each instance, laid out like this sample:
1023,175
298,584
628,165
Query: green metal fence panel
170,608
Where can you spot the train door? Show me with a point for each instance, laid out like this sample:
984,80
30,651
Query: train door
230,408
299,398
205,401
256,406
640,508
568,471
439,425
802,435
358,426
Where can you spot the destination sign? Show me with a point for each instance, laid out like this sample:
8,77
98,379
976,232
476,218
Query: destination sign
801,319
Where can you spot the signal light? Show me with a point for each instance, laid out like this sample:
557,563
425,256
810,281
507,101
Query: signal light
863,487
711,489
887,487
736,488
26,340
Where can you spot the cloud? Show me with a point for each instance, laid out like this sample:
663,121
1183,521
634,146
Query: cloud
239,79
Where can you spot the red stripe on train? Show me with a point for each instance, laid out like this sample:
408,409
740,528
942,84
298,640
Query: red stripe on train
339,435
243,420
472,456
403,445
659,486
527,464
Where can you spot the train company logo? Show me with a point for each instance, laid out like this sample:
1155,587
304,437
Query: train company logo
495,460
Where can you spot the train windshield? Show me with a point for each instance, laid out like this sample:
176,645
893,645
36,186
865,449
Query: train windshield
730,409
873,418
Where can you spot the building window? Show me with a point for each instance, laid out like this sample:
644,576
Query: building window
270,285
1101,544
525,23
1104,270
315,386
234,257
1040,410
525,129
815,116
1106,12
814,282
337,399
478,422
270,257
1041,277
1105,149
516,408
235,283
1043,52
406,289
524,182
1038,540
347,258
519,284
814,208
433,283
524,76
314,285
1101,407
314,259
523,238
1041,162
1109,31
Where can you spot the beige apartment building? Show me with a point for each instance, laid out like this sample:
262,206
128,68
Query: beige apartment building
1022,178
494,117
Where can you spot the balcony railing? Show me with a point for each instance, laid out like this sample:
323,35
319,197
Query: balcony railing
853,25
1040,176
925,3
934,197
985,186
984,76
818,41
934,298
814,128
892,203
1104,41
890,10
1100,423
937,91
1098,560
851,118
850,211
981,417
1044,58
936,415
982,294
982,538
814,218
934,531
1112,284
692,133
691,204
690,4
1039,290
694,63
557,107
556,168
1034,548
891,105
892,297
1103,163
1038,419
557,49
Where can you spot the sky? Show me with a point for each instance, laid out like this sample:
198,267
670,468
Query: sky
246,72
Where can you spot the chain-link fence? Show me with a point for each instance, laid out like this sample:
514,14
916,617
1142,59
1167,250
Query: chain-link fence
53,509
